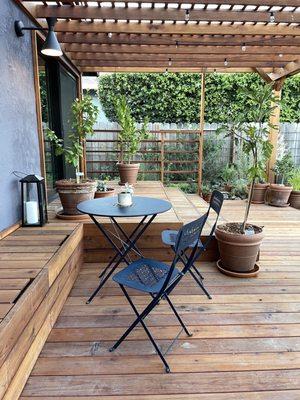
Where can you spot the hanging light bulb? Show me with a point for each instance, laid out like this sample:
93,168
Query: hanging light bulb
244,48
225,62
280,55
166,71
109,35
187,15
272,17
170,62
176,44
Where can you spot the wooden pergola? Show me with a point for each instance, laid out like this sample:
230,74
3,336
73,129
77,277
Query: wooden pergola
179,35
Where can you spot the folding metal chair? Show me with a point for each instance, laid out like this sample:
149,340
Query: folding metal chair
169,238
159,279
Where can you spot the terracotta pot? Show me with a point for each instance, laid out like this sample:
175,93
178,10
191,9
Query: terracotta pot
206,197
259,193
228,188
108,193
72,193
278,195
294,199
238,252
128,173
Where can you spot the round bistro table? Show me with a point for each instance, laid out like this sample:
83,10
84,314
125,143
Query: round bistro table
146,208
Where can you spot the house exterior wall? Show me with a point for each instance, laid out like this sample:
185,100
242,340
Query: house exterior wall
19,145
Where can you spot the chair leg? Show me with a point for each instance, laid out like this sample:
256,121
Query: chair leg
200,284
177,315
140,319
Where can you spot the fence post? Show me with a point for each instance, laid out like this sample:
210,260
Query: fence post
201,131
162,156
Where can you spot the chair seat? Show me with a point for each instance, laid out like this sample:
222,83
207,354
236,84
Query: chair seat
145,274
169,238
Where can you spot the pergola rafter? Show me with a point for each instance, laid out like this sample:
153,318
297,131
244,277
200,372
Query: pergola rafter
263,35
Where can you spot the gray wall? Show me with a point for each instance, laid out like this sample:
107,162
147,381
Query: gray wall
19,147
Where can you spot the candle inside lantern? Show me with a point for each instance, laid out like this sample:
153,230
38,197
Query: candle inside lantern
32,212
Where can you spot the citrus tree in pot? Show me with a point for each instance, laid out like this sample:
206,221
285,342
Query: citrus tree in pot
239,242
130,137
73,191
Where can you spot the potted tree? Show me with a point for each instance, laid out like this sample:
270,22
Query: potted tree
279,192
103,190
73,191
294,181
130,138
239,242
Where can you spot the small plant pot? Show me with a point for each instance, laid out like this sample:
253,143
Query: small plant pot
259,193
72,193
207,197
128,173
294,199
238,252
228,188
278,195
124,199
109,192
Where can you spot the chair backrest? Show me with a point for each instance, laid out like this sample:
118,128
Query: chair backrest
187,236
216,201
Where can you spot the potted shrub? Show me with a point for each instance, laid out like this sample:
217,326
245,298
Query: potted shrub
229,175
103,190
206,192
130,138
294,181
239,242
279,192
73,191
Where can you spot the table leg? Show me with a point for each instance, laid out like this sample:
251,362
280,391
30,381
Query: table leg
120,255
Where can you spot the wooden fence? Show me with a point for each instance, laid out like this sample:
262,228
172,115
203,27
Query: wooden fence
167,155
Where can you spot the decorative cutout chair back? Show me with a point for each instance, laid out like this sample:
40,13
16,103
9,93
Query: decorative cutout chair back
188,236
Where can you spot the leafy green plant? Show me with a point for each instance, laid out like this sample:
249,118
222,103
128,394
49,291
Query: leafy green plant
294,179
206,189
239,188
283,168
84,116
229,174
130,136
254,136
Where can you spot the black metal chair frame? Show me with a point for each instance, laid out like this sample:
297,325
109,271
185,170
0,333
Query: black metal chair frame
215,204
183,242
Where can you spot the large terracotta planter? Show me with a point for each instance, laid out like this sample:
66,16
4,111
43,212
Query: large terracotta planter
109,192
294,199
238,252
259,193
278,195
128,173
72,193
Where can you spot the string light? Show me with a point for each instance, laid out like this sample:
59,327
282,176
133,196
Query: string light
170,62
272,17
280,55
109,35
187,15
244,48
176,44
166,71
225,62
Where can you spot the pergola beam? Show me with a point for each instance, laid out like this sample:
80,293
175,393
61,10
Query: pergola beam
155,39
290,69
148,28
182,49
186,63
170,69
134,13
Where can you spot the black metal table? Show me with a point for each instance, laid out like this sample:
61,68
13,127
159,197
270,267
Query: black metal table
145,207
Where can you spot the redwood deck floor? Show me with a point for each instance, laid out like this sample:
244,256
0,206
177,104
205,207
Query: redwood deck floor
246,339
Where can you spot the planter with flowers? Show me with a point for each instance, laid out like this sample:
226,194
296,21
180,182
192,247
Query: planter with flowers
73,191
130,138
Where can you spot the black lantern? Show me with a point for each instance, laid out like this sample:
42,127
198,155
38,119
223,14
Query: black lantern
34,205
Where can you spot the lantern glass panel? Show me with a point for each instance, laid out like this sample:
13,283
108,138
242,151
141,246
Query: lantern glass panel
31,203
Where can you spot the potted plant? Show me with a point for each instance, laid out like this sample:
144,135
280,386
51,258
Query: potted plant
73,191
130,138
239,242
229,175
294,181
103,190
279,192
206,192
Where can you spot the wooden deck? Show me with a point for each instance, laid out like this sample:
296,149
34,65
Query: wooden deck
245,346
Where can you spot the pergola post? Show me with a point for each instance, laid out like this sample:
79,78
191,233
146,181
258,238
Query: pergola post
201,131
274,130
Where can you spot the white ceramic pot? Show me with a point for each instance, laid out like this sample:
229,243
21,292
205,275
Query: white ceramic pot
125,199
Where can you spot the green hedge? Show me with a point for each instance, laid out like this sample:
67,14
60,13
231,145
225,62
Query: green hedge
174,98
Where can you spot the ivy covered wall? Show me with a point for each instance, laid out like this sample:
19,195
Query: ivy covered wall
175,98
